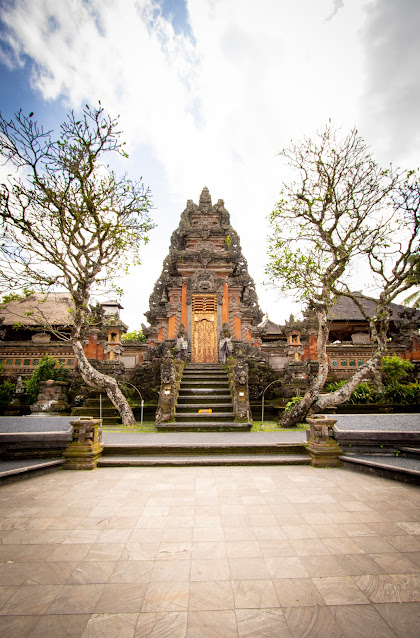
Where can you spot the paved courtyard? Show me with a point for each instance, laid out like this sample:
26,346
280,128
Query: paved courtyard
218,552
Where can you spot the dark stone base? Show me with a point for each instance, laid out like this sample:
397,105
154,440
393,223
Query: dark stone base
82,457
325,454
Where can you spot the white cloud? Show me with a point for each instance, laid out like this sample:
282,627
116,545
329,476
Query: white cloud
209,110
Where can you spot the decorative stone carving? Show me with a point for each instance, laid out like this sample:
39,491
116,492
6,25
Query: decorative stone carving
85,449
51,398
238,380
170,375
322,446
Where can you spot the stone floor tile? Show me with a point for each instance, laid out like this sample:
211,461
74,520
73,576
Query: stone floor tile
343,545
340,590
410,527
404,618
270,532
91,572
309,546
17,626
171,624
285,567
72,553
173,535
396,563
329,531
207,534
115,536
262,623
174,551
290,518
374,545
359,621
63,626
211,595
409,586
276,547
171,570
320,566
235,521
25,553
131,571
208,549
104,552
140,551
165,596
16,573
239,533
30,599
312,622
52,573
248,568
380,588
256,594
121,598
297,592
298,531
358,564
208,569
118,625
242,549
212,624
76,599
404,543
346,517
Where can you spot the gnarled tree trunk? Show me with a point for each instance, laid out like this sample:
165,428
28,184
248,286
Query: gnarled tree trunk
301,409
96,379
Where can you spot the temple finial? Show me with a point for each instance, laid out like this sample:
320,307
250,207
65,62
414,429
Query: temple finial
205,199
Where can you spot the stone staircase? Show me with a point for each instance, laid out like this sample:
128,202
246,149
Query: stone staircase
204,402
402,464
204,450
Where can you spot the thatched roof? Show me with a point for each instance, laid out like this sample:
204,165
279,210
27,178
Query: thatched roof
52,309
346,310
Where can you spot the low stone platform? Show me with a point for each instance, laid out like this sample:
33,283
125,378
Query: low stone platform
13,470
380,444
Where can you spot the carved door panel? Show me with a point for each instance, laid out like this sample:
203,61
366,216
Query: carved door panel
204,329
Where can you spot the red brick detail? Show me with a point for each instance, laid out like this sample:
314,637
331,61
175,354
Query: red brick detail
225,306
93,350
184,312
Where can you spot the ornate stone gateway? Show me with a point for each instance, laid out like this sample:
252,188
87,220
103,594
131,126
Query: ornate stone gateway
204,329
204,285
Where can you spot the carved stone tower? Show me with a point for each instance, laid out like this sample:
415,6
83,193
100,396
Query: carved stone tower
204,284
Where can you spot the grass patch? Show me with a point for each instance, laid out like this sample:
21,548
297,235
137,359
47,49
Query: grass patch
272,426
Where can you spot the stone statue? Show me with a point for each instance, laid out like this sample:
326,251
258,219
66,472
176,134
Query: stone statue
181,344
225,343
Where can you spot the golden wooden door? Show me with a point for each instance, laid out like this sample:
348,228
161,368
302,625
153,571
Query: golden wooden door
204,329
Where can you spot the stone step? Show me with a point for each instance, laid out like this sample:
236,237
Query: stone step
204,426
411,452
194,393
194,407
390,466
204,383
189,460
204,447
203,416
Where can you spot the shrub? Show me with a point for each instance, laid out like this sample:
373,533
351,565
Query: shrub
394,369
49,368
401,393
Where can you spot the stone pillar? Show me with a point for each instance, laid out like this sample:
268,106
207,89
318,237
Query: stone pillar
322,446
237,370
85,448
170,379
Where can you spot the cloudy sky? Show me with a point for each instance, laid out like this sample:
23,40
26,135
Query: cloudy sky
209,91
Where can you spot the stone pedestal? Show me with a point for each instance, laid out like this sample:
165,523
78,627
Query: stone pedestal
322,446
51,398
85,449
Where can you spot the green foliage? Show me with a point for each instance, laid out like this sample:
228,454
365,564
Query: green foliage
394,369
48,368
293,401
363,393
401,393
134,335
7,389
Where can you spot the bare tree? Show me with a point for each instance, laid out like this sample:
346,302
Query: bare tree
342,209
68,221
